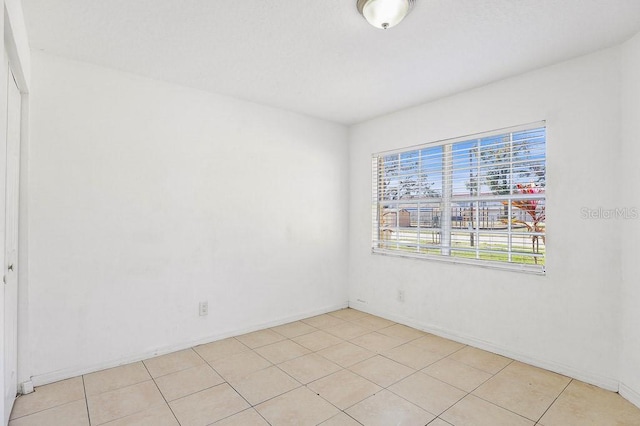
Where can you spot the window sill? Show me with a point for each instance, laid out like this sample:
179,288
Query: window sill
512,267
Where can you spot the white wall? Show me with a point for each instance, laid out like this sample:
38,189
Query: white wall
146,198
629,194
566,321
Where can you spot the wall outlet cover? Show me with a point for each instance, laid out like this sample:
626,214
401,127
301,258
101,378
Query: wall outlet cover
204,309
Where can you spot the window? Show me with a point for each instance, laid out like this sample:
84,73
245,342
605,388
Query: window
477,199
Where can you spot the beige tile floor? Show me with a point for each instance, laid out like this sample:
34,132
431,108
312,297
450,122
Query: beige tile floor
338,369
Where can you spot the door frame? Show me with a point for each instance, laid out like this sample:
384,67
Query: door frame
17,52
12,235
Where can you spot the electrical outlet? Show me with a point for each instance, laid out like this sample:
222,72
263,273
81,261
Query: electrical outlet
400,296
204,309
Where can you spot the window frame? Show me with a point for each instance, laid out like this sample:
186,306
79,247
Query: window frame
447,201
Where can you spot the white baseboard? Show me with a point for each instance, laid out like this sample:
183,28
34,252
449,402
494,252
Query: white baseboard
604,382
25,388
55,376
629,394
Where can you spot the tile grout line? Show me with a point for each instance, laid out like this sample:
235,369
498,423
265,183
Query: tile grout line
184,370
327,347
508,409
35,412
441,419
493,403
352,405
252,406
554,401
306,385
52,407
386,388
293,337
375,352
501,407
86,399
48,408
470,366
436,415
227,381
161,394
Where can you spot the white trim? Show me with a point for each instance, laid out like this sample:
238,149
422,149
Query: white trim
24,349
629,394
488,264
17,43
604,382
25,388
55,376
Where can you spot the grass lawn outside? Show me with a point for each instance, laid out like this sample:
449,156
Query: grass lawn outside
493,246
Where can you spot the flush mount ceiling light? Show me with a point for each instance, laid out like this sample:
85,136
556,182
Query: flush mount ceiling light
384,13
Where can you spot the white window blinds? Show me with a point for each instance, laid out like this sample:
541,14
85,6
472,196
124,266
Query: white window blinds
477,199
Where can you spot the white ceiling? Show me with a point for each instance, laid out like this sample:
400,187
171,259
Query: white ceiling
320,57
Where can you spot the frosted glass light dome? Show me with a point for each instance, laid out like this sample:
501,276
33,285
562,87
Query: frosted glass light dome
384,13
